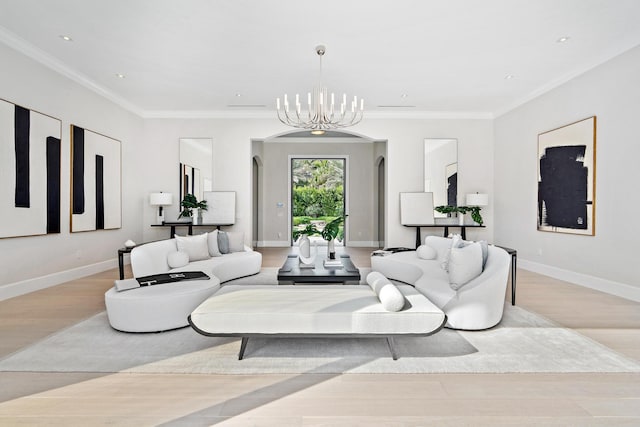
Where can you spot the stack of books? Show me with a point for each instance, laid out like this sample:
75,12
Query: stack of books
332,263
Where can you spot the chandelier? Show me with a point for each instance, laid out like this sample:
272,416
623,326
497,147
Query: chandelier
321,112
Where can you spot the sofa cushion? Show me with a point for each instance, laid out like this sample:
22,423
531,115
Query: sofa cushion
212,243
456,242
177,259
195,246
236,241
465,264
388,294
426,252
223,242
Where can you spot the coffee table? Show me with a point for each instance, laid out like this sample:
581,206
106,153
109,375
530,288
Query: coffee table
291,273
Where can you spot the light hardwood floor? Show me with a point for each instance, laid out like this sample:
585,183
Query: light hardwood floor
85,399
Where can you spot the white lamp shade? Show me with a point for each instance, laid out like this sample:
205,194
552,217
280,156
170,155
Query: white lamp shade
477,199
160,199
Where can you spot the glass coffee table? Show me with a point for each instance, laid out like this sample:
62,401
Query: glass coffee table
291,273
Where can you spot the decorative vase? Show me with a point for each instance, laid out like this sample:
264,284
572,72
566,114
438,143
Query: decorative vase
304,245
331,249
460,218
197,218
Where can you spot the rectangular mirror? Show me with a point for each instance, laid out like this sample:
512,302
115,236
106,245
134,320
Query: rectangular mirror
441,171
196,158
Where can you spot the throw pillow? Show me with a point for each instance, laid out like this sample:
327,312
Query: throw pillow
212,242
223,242
195,246
389,295
236,241
485,252
465,264
177,259
426,252
456,242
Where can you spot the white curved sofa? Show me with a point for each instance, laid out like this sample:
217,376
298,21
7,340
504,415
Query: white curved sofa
167,306
477,305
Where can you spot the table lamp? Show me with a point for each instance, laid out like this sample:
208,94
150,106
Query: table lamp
477,199
160,200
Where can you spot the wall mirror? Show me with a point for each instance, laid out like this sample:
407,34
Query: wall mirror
196,158
441,171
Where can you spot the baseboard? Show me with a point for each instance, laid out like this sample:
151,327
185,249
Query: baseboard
608,286
30,285
272,244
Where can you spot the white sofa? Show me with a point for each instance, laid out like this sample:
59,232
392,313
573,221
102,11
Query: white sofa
477,305
167,306
151,258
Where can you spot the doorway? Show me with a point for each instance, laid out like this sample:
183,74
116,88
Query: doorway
318,188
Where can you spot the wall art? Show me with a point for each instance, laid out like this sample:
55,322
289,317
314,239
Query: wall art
30,158
95,181
566,178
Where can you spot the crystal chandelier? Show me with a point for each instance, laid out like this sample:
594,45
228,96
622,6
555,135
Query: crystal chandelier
321,113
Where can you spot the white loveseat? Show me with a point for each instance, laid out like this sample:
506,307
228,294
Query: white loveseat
477,305
167,306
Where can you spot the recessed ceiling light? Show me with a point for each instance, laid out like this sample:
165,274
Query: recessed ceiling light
509,77
404,95
238,95
66,38
120,76
563,39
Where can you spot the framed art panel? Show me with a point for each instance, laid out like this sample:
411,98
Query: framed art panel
221,207
96,202
30,160
416,209
566,178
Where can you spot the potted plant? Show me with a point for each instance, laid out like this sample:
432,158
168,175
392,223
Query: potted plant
304,244
188,204
333,230
475,212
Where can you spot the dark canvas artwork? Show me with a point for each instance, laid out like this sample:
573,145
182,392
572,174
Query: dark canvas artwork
562,190
96,181
30,150
566,166
452,190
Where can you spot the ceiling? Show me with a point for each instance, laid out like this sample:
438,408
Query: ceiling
404,57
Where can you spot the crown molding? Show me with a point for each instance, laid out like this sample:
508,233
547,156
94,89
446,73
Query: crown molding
271,114
29,50
559,82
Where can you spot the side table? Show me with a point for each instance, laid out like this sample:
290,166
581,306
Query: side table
121,253
514,262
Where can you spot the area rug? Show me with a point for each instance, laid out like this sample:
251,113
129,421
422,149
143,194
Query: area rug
522,342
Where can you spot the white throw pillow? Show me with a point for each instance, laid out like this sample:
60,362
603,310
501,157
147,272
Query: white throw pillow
236,241
389,295
456,242
195,246
212,243
426,252
177,259
465,264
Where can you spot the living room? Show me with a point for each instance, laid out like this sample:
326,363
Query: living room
497,155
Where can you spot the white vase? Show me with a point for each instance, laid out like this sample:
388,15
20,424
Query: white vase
331,249
460,218
304,245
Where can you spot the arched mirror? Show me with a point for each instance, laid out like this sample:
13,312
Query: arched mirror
196,158
441,171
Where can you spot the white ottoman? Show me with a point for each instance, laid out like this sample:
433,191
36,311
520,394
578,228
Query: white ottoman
159,307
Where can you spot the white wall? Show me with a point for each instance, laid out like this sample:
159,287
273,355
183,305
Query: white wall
608,260
28,263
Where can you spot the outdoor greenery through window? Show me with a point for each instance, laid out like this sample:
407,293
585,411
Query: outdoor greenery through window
317,191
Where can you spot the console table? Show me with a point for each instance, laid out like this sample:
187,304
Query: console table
190,226
446,230
121,253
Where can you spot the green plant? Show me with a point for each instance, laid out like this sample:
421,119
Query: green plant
475,211
309,230
189,203
334,229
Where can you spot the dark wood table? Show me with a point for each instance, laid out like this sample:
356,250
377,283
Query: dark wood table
121,253
190,226
463,230
292,273
514,266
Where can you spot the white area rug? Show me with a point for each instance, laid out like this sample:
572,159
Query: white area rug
523,342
